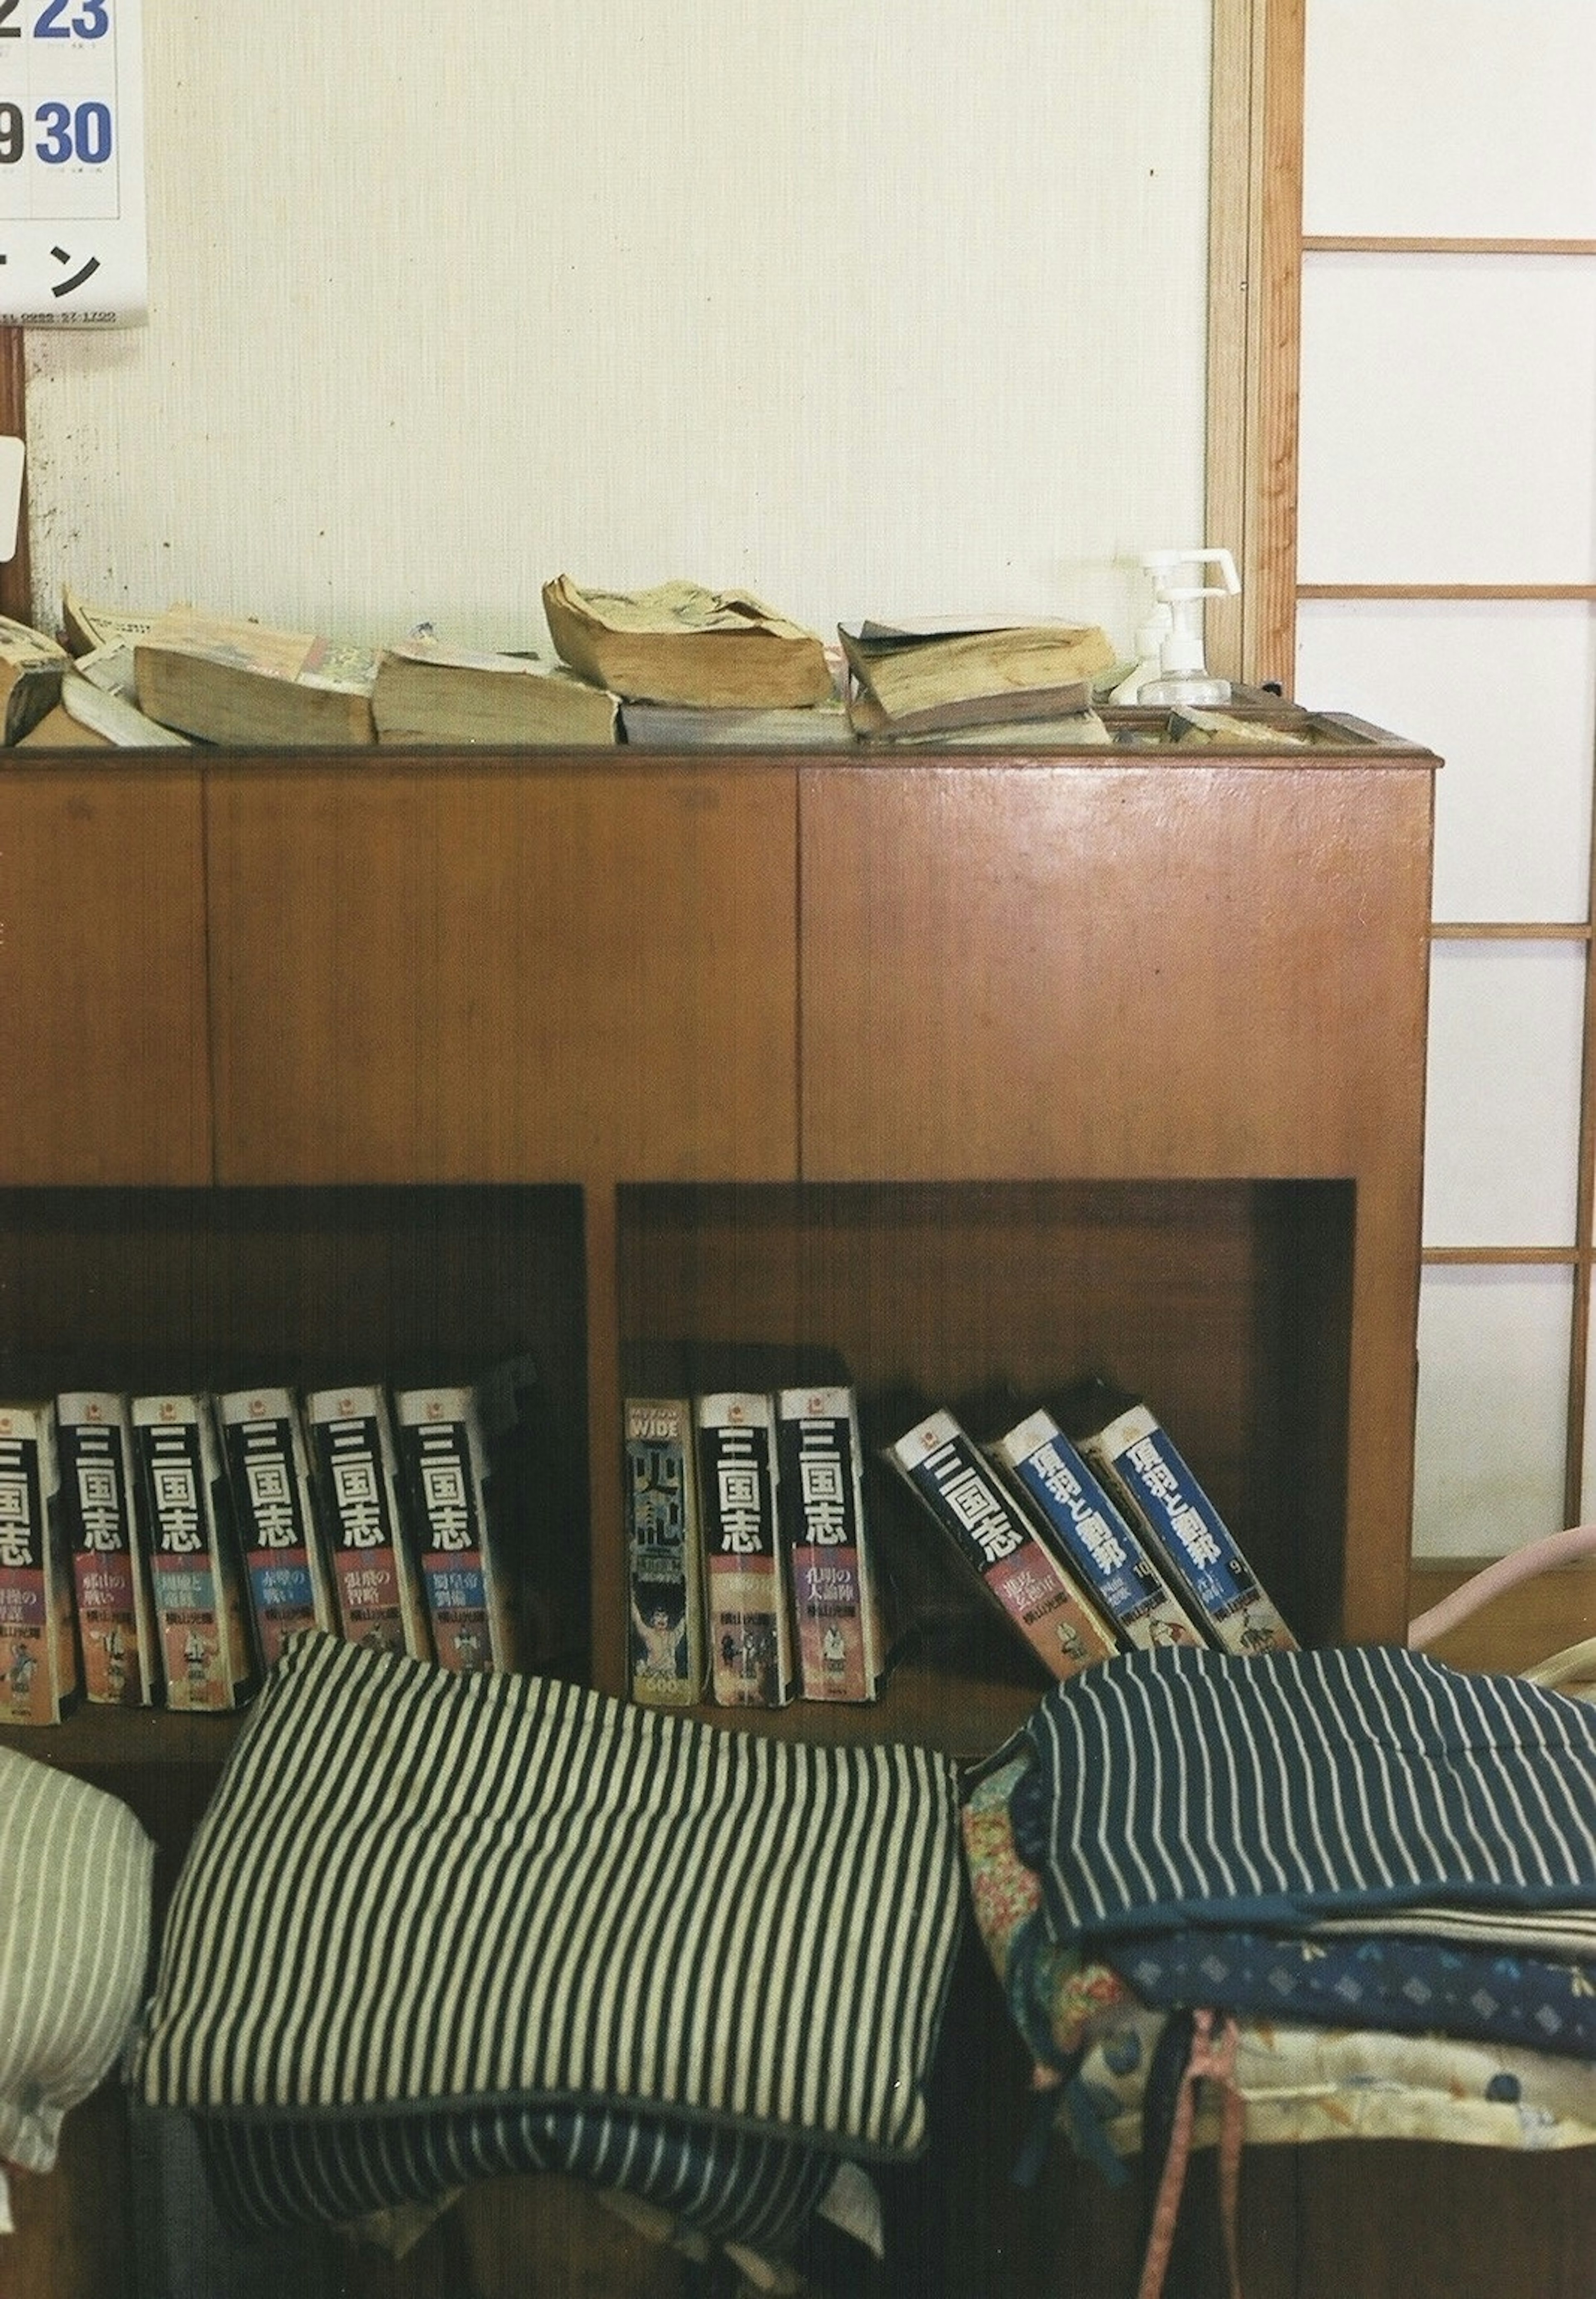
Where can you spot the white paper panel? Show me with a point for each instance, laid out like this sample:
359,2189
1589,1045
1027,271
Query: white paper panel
1506,692
1502,1119
1493,1405
1473,117
1448,419
871,304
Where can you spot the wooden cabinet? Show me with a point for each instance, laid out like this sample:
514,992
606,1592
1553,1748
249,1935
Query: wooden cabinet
981,1069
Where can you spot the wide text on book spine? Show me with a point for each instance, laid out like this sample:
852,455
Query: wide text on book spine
821,1498
751,1658
664,1537
38,1663
119,1654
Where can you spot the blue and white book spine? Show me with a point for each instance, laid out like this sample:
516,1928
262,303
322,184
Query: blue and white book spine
1140,1464
753,1658
1074,1514
356,1467
194,1568
116,1624
444,1457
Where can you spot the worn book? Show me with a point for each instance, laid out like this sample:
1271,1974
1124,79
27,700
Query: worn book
1076,1517
116,1628
664,1548
92,717
285,1575
753,1662
819,1486
681,644
31,673
199,1602
914,682
356,1464
961,1490
244,684
443,1456
676,726
1139,1463
427,693
87,627
39,1652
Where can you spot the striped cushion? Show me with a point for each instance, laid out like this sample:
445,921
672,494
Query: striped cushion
1186,1785
75,1880
414,1889
733,2187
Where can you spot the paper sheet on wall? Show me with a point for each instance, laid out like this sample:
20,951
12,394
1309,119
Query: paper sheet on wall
72,249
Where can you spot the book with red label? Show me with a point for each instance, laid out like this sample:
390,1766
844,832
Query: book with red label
194,1572
821,1499
39,1652
119,1651
444,1460
961,1490
753,1662
356,1465
286,1577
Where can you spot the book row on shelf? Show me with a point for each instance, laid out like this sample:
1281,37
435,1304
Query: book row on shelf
756,1562
157,1550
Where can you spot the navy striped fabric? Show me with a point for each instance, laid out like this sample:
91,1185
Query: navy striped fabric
415,1889
732,2187
1184,1786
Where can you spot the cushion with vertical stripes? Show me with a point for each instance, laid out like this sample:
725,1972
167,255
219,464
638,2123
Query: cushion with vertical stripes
75,1896
413,1888
1184,1786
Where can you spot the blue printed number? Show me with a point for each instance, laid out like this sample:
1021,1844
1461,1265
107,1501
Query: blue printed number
83,135
91,22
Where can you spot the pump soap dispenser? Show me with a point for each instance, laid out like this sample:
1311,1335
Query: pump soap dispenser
1178,587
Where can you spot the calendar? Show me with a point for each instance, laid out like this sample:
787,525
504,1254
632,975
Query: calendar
72,249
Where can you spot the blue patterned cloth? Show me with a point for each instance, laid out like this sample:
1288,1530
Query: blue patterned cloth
1410,1987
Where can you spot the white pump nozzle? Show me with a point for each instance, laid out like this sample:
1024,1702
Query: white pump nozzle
1182,661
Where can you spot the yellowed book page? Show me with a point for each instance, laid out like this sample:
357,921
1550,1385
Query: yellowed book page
677,607
986,662
300,656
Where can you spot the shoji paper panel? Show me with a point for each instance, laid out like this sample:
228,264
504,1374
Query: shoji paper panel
880,306
1506,692
1502,1116
1492,1393
1447,419
1472,119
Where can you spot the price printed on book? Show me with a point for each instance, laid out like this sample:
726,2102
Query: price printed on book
72,251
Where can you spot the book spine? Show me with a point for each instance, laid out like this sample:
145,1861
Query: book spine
199,1610
665,1560
752,1660
269,1478
821,1495
945,1466
1076,1516
375,1582
1141,1465
106,1540
39,1652
444,1460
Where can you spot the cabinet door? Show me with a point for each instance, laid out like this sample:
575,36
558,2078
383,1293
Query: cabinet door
103,1029
1139,972
482,970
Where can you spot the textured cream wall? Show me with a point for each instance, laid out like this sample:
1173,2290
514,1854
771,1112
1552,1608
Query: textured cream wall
880,306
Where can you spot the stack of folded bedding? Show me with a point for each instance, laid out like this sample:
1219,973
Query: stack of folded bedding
1380,1871
433,1927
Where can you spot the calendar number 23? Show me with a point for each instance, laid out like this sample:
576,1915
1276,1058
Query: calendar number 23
88,19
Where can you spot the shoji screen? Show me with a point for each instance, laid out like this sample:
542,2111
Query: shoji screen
1447,574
